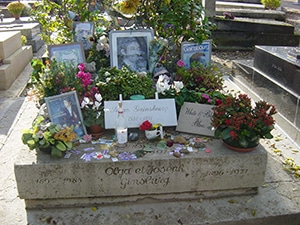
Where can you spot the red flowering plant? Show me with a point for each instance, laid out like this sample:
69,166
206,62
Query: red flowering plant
147,125
241,124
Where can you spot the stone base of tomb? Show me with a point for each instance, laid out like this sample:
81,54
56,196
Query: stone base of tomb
46,182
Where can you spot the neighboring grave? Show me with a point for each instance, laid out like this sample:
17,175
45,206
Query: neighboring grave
15,57
274,74
280,64
46,182
30,30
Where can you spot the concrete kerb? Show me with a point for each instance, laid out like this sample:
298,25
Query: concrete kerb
276,203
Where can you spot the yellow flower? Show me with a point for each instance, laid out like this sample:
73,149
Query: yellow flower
129,6
65,135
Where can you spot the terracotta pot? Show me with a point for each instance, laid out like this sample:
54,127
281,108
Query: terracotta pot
17,16
96,131
230,144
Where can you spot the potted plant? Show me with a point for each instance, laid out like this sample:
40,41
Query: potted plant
15,8
92,111
53,78
50,137
152,131
198,84
90,102
241,125
113,81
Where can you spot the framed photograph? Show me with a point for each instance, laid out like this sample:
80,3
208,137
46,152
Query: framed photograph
130,48
194,52
68,53
64,109
82,31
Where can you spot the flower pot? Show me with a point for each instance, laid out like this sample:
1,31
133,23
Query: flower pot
16,16
152,134
96,131
235,146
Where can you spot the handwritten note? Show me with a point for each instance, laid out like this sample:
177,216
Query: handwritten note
161,111
196,119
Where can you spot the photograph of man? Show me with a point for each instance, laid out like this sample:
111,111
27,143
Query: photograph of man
132,52
82,32
71,116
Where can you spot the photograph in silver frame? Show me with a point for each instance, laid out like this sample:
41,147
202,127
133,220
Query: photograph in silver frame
72,53
130,48
82,32
64,110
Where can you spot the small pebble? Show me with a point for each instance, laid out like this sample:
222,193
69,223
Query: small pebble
199,145
177,154
184,150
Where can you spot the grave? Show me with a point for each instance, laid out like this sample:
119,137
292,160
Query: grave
15,57
46,182
274,74
30,30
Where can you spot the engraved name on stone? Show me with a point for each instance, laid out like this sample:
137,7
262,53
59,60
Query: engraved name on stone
151,175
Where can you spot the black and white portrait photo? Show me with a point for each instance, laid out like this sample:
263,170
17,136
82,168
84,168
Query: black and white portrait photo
82,31
132,52
131,49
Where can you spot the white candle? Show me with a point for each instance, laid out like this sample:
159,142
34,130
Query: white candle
161,132
122,135
120,97
156,95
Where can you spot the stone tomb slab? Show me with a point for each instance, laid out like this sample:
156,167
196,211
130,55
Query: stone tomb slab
275,63
9,43
46,182
30,30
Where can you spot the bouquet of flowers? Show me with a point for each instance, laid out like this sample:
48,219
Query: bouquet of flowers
44,134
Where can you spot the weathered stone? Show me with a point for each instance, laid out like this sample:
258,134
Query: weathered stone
9,43
15,57
275,63
42,180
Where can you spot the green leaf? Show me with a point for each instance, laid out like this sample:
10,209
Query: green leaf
225,134
56,153
60,146
69,145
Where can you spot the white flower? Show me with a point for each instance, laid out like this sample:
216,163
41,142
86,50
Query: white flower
98,115
98,97
162,84
108,79
96,105
40,134
85,102
177,85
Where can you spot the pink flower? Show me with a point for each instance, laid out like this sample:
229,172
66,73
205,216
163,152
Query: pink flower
81,67
180,63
